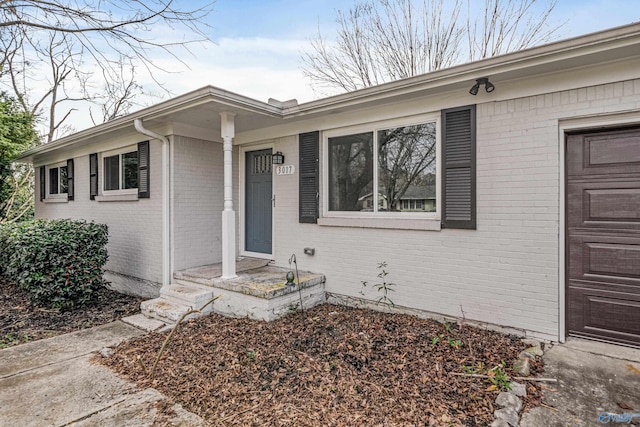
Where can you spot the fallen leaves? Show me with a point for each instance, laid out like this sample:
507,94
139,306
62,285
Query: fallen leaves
22,322
340,366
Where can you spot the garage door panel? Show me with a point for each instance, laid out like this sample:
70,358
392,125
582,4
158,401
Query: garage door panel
605,258
614,260
603,153
603,236
599,312
605,204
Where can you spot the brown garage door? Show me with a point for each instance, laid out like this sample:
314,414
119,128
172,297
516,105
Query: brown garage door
603,235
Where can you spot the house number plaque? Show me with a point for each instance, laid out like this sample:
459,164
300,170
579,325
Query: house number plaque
285,170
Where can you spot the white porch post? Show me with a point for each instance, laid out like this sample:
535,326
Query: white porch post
228,214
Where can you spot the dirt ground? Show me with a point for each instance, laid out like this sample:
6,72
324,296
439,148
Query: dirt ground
328,366
20,321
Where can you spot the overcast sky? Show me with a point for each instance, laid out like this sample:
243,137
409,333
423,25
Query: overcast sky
257,43
257,46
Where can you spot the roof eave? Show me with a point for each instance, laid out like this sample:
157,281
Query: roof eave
589,44
199,96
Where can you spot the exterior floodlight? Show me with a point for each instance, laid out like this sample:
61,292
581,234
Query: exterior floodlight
488,86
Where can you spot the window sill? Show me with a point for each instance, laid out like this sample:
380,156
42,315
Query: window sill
117,198
388,223
56,200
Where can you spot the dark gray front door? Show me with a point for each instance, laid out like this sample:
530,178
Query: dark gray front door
603,236
258,201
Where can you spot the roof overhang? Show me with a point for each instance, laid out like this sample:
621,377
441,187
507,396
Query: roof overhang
201,108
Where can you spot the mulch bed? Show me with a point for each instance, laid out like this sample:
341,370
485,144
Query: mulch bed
331,366
20,321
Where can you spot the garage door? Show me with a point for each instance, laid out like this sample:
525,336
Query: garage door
603,235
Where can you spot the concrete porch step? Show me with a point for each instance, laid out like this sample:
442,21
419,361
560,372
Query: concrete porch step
161,309
258,293
177,299
189,294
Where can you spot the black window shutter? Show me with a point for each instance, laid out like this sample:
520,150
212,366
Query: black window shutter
43,183
309,150
70,179
459,167
93,176
143,170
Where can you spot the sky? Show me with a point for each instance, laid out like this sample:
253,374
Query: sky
257,44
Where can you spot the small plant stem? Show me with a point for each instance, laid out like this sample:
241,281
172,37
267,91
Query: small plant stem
175,328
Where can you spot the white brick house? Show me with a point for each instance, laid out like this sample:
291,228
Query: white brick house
524,234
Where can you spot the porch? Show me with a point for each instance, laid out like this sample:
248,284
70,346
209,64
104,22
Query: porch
259,291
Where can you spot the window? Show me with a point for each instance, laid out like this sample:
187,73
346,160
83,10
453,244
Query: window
350,171
402,180
58,183
412,205
124,174
121,171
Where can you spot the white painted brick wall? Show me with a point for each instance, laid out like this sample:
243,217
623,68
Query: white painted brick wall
507,271
198,201
135,236
197,195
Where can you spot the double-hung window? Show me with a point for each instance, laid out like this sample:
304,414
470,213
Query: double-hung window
120,175
120,171
58,180
386,170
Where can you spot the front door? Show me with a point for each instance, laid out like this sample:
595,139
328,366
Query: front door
603,236
258,201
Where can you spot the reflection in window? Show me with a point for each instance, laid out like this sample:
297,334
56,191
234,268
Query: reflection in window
121,171
58,180
350,171
130,170
111,173
64,183
407,166
406,170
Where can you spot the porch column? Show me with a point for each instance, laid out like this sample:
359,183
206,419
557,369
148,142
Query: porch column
228,214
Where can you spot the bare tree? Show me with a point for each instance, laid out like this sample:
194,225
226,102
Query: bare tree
18,203
385,40
120,95
91,52
508,26
388,40
119,24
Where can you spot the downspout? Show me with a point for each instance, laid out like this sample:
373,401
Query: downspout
166,224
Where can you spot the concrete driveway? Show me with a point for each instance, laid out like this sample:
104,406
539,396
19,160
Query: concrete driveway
598,384
52,382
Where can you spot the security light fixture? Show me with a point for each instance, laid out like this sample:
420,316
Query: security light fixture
488,86
277,158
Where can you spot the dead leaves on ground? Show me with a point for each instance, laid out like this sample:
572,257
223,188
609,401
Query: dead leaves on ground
338,366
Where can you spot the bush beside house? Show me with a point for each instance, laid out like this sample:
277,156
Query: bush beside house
58,262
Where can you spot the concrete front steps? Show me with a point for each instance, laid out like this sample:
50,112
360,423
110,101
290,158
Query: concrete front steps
260,293
176,300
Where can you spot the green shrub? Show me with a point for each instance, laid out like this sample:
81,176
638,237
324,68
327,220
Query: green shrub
59,262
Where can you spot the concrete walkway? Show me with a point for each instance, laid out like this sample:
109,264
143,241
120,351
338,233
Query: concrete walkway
594,380
52,382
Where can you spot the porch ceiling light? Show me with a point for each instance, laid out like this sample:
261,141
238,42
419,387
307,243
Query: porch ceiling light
488,86
277,158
